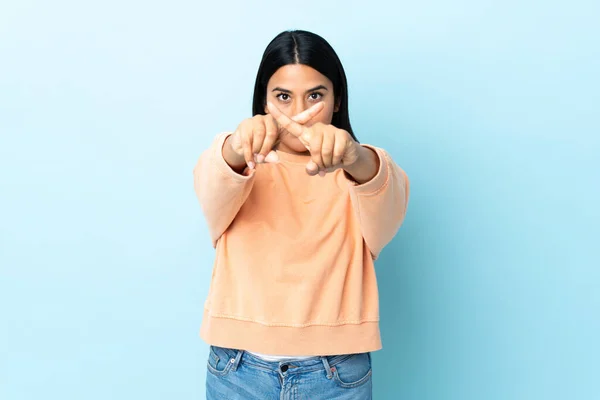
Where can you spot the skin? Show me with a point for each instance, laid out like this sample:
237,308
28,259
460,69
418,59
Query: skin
300,107
255,138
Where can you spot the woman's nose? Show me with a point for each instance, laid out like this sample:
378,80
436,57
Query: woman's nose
297,108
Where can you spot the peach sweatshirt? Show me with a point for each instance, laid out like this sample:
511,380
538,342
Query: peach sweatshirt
294,271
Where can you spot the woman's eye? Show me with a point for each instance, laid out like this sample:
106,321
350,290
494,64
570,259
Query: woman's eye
281,96
315,96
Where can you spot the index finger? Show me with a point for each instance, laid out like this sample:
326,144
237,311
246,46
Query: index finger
308,114
284,121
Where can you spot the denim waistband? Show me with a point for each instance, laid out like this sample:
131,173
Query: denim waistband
295,366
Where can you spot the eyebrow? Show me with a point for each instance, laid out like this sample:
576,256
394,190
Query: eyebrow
309,90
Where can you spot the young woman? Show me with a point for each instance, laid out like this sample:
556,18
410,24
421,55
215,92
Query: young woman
298,211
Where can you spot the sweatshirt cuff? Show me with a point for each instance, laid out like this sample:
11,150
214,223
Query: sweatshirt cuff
222,165
381,178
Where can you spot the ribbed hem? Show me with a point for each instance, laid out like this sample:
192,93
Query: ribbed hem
315,340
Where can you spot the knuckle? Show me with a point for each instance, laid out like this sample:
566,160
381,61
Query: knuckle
259,128
271,131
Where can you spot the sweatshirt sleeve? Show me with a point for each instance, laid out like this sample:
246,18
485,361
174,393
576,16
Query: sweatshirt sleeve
381,203
221,191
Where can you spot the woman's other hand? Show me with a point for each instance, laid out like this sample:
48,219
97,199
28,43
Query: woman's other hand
254,139
330,148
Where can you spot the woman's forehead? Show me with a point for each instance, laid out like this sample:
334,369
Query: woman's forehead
298,76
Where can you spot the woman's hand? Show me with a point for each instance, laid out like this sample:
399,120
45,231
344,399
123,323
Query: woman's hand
254,139
330,148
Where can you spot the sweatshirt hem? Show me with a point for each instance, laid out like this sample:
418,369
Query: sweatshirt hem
292,325
312,340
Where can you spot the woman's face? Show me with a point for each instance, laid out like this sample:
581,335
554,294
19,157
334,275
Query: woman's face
295,87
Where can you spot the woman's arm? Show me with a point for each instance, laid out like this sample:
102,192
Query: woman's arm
380,202
220,189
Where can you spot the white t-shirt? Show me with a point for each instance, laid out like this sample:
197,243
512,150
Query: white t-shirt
268,357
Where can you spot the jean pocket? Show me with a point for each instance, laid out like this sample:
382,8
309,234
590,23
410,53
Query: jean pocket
354,371
220,360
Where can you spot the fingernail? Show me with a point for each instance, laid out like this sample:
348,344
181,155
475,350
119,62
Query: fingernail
322,173
260,158
251,164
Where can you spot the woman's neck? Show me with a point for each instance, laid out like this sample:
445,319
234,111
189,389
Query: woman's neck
282,147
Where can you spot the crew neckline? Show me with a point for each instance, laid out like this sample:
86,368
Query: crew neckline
293,158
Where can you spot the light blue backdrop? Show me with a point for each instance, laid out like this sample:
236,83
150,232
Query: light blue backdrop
491,289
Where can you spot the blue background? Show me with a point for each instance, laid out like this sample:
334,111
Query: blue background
491,290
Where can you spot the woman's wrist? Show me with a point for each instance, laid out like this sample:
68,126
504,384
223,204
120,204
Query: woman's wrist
366,165
235,161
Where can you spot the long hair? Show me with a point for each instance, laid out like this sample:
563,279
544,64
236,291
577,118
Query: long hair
302,47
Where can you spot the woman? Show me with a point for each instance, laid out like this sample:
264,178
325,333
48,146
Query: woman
298,211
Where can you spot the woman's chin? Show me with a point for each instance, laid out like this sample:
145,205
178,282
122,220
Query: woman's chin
294,145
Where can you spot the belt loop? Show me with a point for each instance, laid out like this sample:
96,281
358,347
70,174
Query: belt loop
238,357
328,369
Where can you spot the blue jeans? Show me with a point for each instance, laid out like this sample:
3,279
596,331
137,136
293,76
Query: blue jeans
237,375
